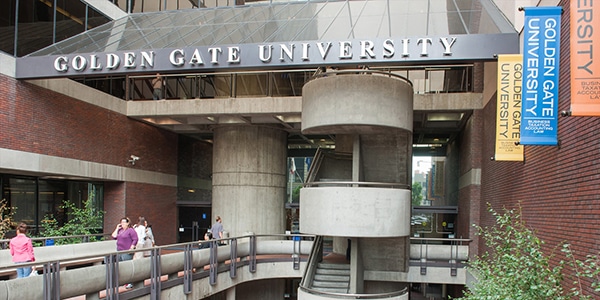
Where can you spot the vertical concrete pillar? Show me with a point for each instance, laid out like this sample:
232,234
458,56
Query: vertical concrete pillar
230,293
266,289
249,178
356,269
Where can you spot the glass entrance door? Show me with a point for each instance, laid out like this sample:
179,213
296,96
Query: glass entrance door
193,222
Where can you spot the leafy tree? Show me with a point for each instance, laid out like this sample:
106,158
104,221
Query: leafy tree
296,194
417,193
516,268
588,268
6,218
81,221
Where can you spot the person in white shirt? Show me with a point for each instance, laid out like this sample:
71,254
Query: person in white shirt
140,229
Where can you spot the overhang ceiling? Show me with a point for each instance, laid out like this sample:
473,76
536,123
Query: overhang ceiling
432,130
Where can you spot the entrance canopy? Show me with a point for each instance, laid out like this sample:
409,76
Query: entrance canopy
281,35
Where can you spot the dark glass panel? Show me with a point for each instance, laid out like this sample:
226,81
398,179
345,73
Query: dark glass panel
20,192
35,26
52,193
7,26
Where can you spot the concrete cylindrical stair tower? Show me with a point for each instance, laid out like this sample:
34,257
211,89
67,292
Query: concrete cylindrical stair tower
369,200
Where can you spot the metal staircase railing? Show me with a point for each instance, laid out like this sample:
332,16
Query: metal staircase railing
316,256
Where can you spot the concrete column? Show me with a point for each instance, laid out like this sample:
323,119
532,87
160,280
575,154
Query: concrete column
356,269
249,178
230,293
267,289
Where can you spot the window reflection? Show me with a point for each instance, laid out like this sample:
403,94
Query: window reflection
276,22
21,193
37,27
36,199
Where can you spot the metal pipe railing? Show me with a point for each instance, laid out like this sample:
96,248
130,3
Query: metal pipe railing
316,256
60,284
399,293
363,71
231,84
85,238
358,184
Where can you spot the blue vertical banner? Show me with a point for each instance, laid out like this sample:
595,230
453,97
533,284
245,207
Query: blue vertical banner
541,57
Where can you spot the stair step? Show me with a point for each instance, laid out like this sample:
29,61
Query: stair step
323,277
330,284
332,290
333,272
333,266
332,278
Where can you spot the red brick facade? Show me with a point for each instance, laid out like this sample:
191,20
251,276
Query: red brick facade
36,120
557,187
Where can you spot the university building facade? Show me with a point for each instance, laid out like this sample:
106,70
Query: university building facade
289,116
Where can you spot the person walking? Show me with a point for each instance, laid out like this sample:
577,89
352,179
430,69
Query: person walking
206,242
21,250
140,230
126,240
149,240
217,229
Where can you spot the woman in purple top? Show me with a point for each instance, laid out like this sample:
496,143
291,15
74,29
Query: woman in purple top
126,239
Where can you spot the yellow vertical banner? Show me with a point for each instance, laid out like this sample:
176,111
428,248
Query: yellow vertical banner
585,65
508,114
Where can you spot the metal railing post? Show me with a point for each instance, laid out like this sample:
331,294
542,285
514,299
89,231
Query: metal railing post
252,266
156,272
214,262
296,253
233,259
112,276
423,260
51,280
453,258
187,269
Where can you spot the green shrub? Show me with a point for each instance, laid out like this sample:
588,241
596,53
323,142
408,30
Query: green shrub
80,221
6,218
516,268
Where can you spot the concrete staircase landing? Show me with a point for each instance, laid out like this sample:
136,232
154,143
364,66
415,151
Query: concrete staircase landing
332,278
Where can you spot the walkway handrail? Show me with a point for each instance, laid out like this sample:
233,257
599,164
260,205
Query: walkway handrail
153,267
316,255
244,72
355,296
436,249
85,238
364,71
423,239
358,184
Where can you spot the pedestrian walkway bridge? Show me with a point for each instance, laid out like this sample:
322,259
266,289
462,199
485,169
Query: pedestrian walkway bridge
180,271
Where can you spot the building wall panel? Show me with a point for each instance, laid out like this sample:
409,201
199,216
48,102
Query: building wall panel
556,188
37,120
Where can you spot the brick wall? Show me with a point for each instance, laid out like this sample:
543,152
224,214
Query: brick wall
37,120
557,187
157,204
470,141
478,77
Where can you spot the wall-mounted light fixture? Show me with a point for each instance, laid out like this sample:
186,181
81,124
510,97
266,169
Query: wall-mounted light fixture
134,159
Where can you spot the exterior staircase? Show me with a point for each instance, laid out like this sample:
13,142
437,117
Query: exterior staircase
332,278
